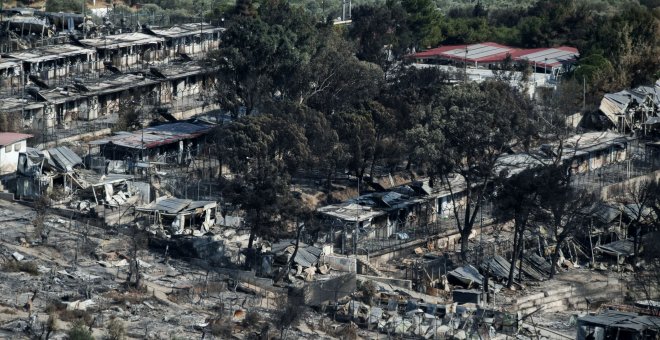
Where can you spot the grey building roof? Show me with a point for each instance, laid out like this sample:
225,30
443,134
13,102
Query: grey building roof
617,319
65,158
116,41
172,205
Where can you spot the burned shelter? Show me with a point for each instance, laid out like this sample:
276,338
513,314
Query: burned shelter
188,39
55,61
174,143
180,216
126,50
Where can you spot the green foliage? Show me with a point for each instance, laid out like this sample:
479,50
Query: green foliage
424,21
377,26
79,331
593,67
75,6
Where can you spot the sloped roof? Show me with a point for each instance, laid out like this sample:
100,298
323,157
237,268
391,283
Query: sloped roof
185,30
64,157
155,136
617,319
51,52
493,52
350,212
7,138
172,205
122,40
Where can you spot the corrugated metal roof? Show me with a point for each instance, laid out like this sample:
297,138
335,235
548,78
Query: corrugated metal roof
617,319
498,267
467,274
618,248
51,52
493,52
350,212
170,205
307,255
65,157
185,30
155,136
173,205
605,213
122,40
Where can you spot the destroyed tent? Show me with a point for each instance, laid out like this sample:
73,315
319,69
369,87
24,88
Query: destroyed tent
620,249
329,291
174,143
498,267
181,216
604,213
468,276
59,159
112,190
630,109
41,169
306,259
306,256
538,264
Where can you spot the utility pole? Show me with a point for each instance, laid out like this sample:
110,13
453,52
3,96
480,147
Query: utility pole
584,93
357,218
465,64
201,26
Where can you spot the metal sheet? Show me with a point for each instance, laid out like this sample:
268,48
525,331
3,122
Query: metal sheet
65,158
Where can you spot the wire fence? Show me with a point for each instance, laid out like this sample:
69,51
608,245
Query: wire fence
422,231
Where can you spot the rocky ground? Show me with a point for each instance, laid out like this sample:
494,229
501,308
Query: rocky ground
79,272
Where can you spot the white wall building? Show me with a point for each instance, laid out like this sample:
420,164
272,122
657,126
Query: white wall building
11,144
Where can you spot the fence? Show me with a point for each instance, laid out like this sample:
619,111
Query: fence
424,231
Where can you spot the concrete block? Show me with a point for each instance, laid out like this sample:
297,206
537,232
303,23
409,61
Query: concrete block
553,298
559,290
524,299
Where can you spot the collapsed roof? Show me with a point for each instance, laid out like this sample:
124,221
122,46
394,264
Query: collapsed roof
633,107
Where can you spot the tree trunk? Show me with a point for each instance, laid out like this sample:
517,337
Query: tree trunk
553,261
251,239
465,238
514,256
254,228
295,250
636,241
465,232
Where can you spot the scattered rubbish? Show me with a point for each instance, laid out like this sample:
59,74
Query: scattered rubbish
18,256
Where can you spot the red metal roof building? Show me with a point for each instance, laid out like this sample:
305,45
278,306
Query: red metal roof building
489,53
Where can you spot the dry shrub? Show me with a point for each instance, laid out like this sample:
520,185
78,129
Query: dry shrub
252,318
348,332
116,329
29,267
8,311
368,291
343,195
76,316
79,331
133,296
222,327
